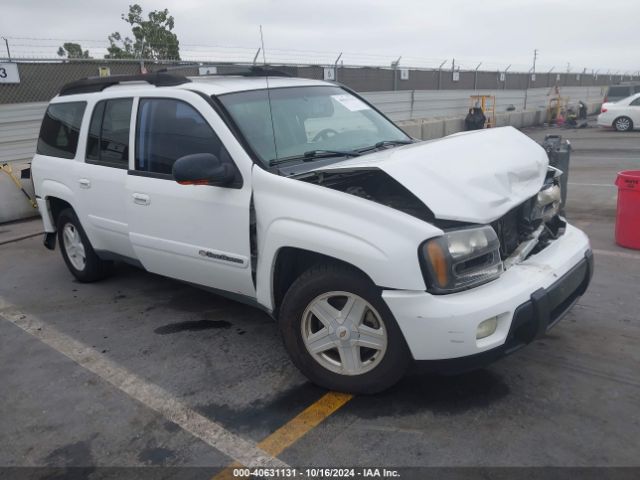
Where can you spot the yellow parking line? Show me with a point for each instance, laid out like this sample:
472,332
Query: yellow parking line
295,428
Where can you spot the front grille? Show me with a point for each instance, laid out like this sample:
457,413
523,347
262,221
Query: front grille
519,223
506,228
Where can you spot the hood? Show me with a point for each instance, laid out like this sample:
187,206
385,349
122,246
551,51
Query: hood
470,177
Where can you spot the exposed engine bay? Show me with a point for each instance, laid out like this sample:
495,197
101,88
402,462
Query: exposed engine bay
374,185
523,231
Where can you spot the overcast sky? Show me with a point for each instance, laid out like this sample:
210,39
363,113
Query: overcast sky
591,34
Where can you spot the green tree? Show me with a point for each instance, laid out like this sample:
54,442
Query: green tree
72,50
152,38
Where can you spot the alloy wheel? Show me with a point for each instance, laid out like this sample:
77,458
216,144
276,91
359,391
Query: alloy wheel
344,333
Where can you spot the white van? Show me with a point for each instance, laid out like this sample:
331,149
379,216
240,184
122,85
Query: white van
370,249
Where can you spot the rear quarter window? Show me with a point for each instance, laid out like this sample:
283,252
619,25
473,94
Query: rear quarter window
621,92
60,129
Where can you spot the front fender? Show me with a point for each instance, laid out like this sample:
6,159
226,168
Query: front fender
380,241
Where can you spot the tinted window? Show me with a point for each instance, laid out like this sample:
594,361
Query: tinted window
60,129
621,92
108,141
636,102
169,129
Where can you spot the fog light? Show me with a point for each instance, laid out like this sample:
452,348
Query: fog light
487,327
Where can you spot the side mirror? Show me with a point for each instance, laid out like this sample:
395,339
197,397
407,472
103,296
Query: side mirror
202,169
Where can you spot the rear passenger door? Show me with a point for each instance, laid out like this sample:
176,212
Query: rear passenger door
100,181
198,234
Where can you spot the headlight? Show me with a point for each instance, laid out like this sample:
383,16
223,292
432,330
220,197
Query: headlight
461,259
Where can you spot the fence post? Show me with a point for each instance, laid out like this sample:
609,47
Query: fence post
439,72
394,66
475,77
413,95
335,68
6,42
504,87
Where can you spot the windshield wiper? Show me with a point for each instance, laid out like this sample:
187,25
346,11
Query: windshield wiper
384,143
313,154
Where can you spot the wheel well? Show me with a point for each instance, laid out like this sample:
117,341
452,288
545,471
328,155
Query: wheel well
291,263
622,116
56,206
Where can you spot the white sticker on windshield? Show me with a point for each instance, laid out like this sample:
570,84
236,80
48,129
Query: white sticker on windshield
352,103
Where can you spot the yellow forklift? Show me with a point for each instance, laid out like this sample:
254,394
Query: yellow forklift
488,105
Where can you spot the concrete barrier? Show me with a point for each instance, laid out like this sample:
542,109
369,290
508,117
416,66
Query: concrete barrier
453,125
13,203
413,128
432,129
529,118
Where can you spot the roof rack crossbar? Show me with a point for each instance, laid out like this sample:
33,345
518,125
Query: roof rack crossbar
97,84
249,71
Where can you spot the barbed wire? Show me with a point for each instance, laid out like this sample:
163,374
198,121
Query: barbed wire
36,48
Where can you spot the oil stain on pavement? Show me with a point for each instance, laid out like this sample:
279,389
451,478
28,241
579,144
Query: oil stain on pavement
191,326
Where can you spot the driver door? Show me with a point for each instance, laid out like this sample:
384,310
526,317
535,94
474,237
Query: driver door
199,234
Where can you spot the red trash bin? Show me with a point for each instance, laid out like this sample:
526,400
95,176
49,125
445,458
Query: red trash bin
628,214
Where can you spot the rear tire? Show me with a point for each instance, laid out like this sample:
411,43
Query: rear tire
331,352
77,251
623,124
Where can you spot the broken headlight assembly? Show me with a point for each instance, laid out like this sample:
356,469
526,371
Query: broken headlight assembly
461,259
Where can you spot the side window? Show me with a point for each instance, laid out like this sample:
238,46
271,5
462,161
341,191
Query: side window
60,129
169,129
108,141
636,102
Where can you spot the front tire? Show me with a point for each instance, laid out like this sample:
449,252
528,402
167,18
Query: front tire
340,333
77,251
623,124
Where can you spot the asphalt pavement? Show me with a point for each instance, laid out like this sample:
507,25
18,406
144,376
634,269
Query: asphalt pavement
141,370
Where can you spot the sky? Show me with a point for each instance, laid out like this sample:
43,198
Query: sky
575,35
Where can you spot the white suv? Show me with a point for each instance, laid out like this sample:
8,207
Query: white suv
297,196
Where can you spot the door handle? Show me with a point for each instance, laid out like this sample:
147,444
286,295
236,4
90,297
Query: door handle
84,183
141,199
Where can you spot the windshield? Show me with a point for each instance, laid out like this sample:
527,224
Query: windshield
307,119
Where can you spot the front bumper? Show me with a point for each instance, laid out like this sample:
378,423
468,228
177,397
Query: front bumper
528,299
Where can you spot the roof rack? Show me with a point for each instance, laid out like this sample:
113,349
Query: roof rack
247,71
97,84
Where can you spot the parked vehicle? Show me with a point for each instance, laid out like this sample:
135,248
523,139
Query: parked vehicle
371,250
620,91
623,115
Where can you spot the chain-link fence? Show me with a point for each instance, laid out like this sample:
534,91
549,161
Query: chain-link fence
41,80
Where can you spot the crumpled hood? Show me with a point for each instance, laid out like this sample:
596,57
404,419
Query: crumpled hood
471,177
